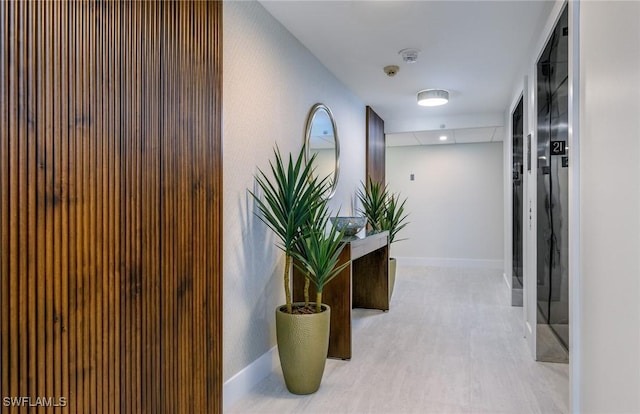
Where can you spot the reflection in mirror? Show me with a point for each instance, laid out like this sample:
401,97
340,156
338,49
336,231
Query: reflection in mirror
321,138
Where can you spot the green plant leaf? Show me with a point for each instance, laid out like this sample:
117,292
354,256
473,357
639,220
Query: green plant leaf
319,253
373,197
289,197
394,217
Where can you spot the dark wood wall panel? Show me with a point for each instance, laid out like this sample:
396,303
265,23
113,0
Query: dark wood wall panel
110,206
376,147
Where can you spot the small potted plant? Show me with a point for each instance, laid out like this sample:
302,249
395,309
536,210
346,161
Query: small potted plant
384,211
293,207
373,197
393,220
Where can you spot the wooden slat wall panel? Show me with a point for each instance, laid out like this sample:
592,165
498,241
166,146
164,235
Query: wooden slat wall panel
110,206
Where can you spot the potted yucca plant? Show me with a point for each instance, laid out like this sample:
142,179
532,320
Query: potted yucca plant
316,256
294,208
384,211
373,197
393,220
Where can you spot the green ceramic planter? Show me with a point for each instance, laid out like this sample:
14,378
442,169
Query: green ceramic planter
392,275
303,342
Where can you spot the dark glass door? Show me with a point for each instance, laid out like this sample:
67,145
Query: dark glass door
552,196
517,133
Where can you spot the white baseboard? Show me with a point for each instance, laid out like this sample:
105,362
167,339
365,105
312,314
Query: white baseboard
240,384
445,262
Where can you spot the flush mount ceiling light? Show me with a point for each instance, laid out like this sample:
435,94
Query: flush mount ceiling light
433,97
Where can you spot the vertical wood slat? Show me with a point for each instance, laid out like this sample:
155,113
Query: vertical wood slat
4,216
76,172
167,267
5,279
14,365
84,218
4,201
95,247
198,210
101,43
110,186
182,249
100,231
21,213
39,187
32,168
110,277
214,204
144,206
118,319
76,199
136,204
149,239
46,196
124,111
66,234
126,344
72,77
115,316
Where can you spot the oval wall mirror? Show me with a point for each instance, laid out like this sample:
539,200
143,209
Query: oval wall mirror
321,138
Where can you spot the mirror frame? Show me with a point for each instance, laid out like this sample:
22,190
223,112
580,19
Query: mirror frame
307,143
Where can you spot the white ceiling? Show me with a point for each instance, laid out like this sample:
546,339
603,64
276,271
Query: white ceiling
474,49
452,136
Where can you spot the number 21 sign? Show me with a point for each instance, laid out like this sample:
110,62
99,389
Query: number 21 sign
558,148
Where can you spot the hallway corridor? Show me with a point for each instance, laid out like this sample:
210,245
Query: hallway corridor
451,343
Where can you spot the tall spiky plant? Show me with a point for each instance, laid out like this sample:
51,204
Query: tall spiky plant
373,197
393,217
319,252
290,197
315,216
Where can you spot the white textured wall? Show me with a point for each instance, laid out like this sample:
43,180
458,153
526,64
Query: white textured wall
610,207
270,83
455,202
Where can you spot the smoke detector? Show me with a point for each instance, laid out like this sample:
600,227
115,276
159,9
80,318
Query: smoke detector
391,70
409,55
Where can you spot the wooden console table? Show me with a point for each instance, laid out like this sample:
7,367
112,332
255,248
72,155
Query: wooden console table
364,284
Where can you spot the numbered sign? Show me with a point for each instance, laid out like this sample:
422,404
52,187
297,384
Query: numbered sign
558,148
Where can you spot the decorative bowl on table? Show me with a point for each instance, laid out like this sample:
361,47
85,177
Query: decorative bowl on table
351,225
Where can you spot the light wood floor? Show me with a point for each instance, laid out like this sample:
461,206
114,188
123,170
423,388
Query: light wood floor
451,343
